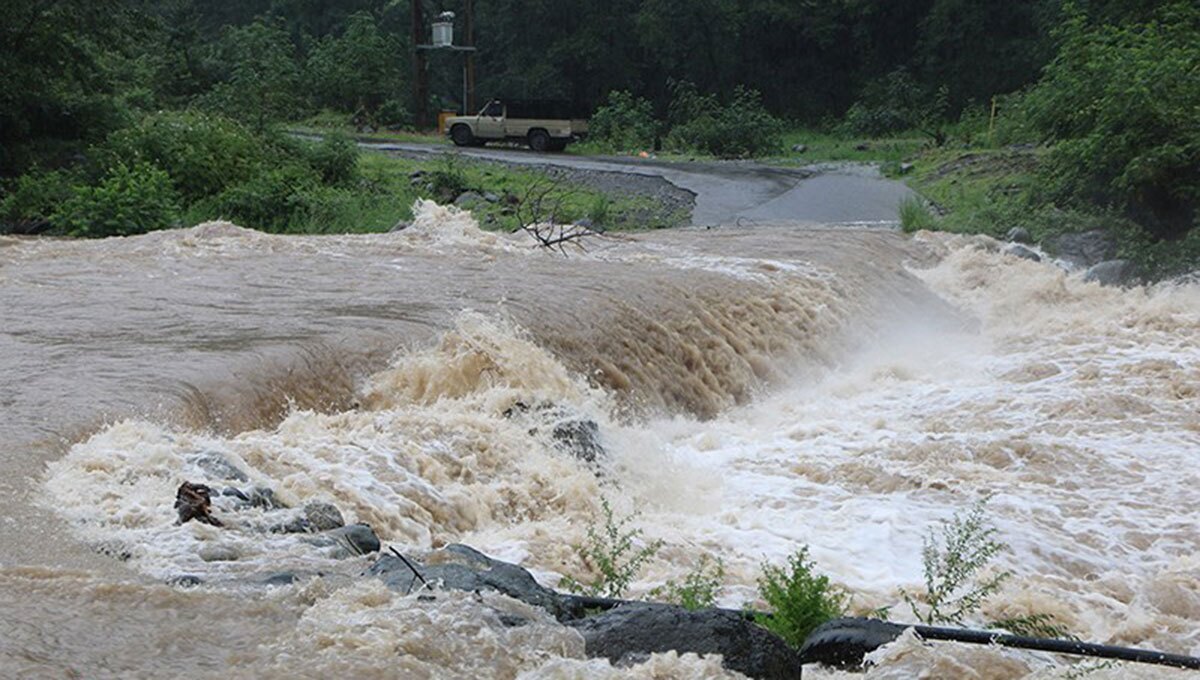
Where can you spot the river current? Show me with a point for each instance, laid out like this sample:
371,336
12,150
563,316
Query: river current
756,390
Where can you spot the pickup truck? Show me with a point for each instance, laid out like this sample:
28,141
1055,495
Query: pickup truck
543,125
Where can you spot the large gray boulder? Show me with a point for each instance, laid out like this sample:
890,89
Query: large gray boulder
630,633
1082,249
1018,250
1111,273
459,567
1018,235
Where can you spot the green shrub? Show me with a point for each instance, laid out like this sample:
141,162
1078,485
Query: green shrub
699,589
624,123
335,158
128,200
1122,106
447,180
915,215
204,153
800,599
34,197
897,103
261,78
740,129
275,199
611,552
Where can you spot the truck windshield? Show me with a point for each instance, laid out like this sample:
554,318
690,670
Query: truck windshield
494,109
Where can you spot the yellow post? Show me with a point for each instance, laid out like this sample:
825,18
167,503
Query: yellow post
992,125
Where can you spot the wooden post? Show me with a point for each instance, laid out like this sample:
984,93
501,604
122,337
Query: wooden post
469,36
420,71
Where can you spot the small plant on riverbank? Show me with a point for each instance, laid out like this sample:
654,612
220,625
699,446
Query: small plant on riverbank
699,588
800,598
915,216
955,586
612,553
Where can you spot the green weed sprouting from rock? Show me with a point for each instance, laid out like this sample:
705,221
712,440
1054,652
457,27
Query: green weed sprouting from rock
699,588
800,599
953,563
612,554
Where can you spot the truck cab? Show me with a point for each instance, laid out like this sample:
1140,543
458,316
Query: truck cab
542,124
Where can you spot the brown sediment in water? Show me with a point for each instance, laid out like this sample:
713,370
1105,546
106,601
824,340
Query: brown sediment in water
214,335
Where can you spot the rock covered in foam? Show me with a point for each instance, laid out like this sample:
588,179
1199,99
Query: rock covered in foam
631,633
459,567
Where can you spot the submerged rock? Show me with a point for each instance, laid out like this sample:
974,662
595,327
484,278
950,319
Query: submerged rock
1082,249
219,553
630,633
218,467
347,541
459,567
1111,273
323,516
1018,235
570,432
1017,250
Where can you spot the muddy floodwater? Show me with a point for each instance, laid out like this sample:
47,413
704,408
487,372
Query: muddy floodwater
756,389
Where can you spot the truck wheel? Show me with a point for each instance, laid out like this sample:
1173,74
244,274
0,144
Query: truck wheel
461,134
539,140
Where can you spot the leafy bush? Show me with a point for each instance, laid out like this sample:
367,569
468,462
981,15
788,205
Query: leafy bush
915,216
335,158
625,123
272,200
128,200
204,153
448,179
699,589
1122,104
740,129
612,554
34,197
898,102
800,599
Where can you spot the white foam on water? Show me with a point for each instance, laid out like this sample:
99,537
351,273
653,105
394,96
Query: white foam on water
1075,409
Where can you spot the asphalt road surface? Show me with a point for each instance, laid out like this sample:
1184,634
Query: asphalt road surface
733,192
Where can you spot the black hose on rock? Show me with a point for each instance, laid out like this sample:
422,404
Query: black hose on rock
844,642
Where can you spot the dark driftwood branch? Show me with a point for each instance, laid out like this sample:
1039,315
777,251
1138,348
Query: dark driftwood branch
542,224
411,567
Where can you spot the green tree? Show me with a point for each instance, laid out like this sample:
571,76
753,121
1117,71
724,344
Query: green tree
359,69
1122,105
261,83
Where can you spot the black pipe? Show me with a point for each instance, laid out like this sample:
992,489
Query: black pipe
1058,646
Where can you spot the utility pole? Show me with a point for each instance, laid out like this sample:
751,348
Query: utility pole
420,70
469,104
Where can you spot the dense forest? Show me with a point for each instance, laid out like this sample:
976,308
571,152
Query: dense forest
96,88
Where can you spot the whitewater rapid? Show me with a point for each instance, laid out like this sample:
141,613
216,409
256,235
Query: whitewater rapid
754,394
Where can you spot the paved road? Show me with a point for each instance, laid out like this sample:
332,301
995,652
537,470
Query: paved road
734,192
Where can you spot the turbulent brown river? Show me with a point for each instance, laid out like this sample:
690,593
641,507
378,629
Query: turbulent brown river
757,390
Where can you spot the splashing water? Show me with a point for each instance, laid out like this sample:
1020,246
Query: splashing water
1074,408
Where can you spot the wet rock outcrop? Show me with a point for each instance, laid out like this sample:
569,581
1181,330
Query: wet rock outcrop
631,633
460,567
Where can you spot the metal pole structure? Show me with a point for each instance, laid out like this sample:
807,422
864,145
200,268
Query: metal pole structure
420,72
469,96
